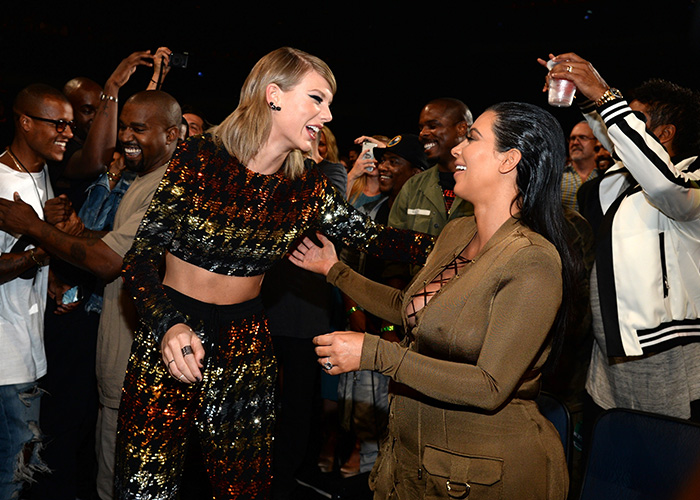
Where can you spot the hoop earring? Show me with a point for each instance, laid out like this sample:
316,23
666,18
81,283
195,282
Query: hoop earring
273,107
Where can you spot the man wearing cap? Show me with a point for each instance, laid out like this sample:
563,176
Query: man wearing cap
401,159
363,395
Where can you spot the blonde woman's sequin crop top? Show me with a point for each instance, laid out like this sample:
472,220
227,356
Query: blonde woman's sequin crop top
211,211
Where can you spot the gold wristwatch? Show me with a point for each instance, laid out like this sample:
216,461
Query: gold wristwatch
608,96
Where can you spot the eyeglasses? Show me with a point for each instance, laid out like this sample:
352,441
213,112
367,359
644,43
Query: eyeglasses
59,124
582,138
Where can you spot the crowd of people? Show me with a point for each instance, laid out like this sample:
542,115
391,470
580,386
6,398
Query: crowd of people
168,285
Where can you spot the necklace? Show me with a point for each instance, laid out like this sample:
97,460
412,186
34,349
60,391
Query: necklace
21,167
16,165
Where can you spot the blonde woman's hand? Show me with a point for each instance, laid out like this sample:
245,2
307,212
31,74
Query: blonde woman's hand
182,353
362,166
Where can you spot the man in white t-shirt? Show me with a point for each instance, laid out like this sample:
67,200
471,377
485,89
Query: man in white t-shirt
148,133
43,122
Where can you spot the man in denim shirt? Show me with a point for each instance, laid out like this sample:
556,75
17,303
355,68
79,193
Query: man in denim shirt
97,213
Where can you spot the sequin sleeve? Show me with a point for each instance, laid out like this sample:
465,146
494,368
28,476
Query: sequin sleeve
142,264
341,221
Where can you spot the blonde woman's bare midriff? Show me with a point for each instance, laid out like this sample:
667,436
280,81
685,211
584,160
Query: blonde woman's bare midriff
207,286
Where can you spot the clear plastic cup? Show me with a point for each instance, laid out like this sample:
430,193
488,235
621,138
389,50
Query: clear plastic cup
561,92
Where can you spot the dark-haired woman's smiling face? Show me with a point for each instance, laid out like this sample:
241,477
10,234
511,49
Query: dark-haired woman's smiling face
478,160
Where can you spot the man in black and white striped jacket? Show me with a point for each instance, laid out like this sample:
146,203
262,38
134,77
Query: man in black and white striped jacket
645,211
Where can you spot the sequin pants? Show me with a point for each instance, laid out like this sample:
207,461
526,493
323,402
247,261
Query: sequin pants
232,408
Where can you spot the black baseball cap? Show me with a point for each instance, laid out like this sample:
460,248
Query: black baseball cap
408,147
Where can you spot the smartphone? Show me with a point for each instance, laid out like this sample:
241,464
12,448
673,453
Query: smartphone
367,153
72,295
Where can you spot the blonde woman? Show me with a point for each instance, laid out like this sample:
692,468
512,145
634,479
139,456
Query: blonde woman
363,178
230,204
328,146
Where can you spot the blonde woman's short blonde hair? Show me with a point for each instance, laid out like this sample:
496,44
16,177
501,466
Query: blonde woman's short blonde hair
245,130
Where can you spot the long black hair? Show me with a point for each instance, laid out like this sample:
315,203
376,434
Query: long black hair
540,139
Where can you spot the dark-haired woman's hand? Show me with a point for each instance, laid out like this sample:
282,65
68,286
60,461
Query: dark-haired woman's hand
339,352
311,257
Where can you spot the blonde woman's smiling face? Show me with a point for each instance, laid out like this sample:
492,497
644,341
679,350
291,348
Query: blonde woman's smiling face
304,110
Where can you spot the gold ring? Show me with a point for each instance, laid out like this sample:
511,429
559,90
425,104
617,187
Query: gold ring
568,69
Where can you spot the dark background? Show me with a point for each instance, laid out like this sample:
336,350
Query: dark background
389,59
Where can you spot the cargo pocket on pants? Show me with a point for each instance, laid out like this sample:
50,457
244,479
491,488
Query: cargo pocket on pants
456,476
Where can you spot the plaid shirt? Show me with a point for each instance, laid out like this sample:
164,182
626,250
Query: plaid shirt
570,182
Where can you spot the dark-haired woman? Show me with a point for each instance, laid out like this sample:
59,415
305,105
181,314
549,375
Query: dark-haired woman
482,317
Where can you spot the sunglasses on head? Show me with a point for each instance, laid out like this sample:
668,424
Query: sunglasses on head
59,124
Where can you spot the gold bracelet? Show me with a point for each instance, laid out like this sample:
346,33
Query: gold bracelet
112,176
609,95
107,97
33,257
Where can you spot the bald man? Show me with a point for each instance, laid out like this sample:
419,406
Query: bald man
84,96
148,133
68,176
427,201
96,110
42,130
